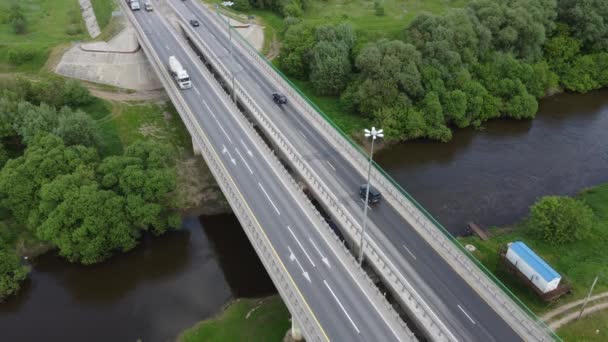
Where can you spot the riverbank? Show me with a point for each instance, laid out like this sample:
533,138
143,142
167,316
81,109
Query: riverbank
265,319
577,262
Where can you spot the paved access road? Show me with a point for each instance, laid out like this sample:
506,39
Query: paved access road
330,288
467,316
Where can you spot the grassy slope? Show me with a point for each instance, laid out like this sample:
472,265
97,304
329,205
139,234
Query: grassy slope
577,262
103,11
47,23
268,322
591,328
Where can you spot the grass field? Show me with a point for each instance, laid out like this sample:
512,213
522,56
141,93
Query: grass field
48,23
248,320
578,262
593,328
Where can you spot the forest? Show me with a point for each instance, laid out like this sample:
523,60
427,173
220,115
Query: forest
490,59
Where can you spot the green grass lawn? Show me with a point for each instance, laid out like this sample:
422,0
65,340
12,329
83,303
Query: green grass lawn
593,328
578,262
48,23
129,122
248,320
103,11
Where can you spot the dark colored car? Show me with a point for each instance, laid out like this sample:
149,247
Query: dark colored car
374,195
194,23
278,98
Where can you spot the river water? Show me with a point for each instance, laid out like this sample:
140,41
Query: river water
492,176
168,284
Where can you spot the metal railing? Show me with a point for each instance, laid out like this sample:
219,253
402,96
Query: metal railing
510,308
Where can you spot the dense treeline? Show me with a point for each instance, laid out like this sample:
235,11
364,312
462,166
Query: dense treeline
490,59
56,188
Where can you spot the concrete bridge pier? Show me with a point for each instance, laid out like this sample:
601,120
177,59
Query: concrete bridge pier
195,148
295,333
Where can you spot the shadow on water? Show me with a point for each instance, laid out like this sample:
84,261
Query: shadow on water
154,292
491,176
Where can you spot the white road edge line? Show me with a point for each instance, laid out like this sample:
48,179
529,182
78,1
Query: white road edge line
466,314
243,159
330,165
270,200
301,247
341,306
408,250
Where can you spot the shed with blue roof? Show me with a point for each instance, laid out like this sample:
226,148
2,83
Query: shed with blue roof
543,276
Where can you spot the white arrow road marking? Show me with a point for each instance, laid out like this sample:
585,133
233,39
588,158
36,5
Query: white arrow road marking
330,165
225,151
408,250
301,247
292,257
243,159
341,306
196,90
247,148
363,201
270,200
302,134
466,314
323,258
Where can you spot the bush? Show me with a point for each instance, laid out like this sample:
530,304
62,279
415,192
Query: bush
19,55
11,273
558,220
73,30
17,19
378,8
241,5
75,95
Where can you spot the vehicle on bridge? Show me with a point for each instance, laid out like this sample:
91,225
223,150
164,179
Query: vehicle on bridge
179,73
279,98
148,5
134,5
194,23
374,195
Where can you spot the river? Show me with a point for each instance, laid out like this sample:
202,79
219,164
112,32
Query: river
169,283
492,176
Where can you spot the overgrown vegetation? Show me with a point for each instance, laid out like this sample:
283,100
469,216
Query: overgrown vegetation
58,186
488,60
593,328
244,320
578,258
103,11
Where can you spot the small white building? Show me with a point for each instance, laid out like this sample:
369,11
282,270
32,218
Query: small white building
543,276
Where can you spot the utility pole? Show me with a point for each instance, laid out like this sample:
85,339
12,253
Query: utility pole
580,314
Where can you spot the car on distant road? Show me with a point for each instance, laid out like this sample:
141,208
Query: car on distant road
279,98
148,5
194,23
374,195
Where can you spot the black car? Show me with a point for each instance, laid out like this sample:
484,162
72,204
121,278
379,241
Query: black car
278,98
194,23
374,195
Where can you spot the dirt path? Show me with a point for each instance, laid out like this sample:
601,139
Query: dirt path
144,95
572,316
566,307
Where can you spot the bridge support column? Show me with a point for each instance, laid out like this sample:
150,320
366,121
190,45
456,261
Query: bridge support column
195,148
296,333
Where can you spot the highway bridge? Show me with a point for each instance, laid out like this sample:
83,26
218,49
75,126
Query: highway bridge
444,291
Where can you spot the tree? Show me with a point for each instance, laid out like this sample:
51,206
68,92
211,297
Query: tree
298,41
45,158
12,273
455,106
75,95
588,21
330,68
580,76
558,220
77,128
3,156
86,223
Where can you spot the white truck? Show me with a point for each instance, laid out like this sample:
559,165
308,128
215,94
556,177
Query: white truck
179,73
134,4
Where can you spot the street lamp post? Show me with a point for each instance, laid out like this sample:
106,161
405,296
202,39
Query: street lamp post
374,134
